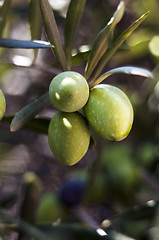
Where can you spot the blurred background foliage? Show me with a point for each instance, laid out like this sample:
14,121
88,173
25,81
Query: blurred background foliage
123,193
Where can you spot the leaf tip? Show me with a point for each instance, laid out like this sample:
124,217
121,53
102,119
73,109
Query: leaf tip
12,125
146,14
12,129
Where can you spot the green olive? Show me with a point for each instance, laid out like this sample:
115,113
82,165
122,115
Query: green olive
69,137
69,91
109,112
50,209
2,104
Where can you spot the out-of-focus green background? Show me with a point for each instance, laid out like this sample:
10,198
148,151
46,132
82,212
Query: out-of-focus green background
128,174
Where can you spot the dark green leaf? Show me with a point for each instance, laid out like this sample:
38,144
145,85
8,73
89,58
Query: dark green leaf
139,212
13,43
3,15
101,42
117,44
114,235
74,14
80,55
126,70
39,125
53,33
28,112
31,186
72,231
35,21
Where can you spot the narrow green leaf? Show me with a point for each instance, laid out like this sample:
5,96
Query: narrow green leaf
35,21
101,42
3,15
39,125
117,44
80,58
28,112
126,70
53,33
14,43
31,186
73,231
74,14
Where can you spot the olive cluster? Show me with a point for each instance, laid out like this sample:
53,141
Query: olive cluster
106,108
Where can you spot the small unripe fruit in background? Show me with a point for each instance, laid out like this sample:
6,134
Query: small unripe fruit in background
2,104
50,209
69,91
69,137
109,112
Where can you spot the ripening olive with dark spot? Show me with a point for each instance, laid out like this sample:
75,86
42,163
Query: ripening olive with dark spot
69,91
2,104
109,112
69,137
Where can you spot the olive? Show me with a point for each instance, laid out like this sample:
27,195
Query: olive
69,137
50,209
69,91
2,104
72,191
109,111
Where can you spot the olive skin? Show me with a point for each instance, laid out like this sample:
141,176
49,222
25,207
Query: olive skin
69,91
50,209
72,191
2,104
69,137
109,112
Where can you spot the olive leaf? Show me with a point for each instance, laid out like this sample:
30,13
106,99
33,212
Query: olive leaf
73,17
3,15
73,231
101,42
31,186
115,45
53,32
14,43
38,124
126,70
80,57
28,112
35,21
